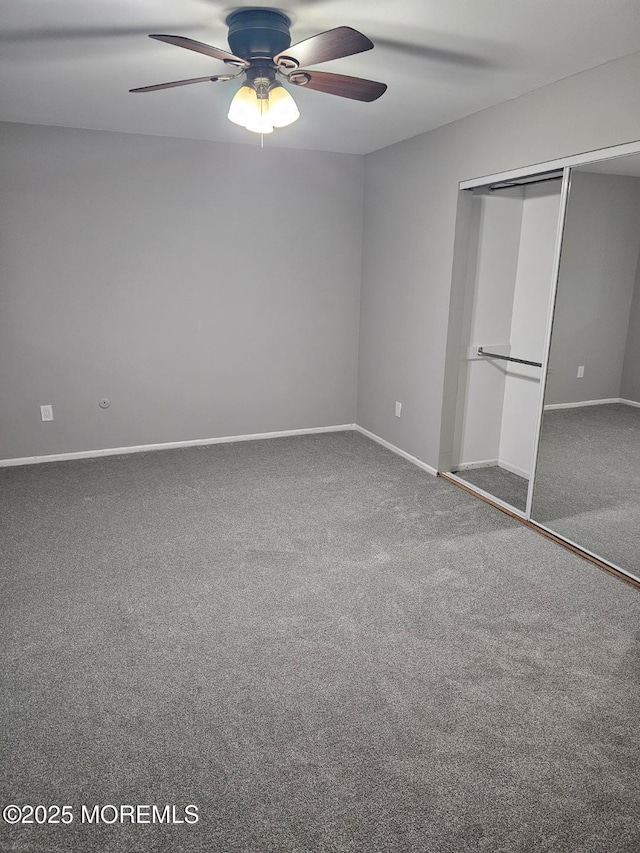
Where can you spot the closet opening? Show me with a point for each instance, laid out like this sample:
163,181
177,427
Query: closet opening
511,247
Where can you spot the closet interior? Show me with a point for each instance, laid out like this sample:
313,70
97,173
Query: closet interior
506,307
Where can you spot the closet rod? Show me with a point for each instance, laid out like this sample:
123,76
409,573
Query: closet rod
508,358
504,185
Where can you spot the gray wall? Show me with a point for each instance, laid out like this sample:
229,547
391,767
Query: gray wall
211,290
630,385
207,290
597,276
410,212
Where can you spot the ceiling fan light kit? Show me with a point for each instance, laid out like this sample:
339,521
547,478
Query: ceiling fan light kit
261,108
283,109
261,49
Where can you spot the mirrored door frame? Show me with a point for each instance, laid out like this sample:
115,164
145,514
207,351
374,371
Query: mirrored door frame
514,177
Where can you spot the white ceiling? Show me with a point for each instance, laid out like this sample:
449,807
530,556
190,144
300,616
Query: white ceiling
72,62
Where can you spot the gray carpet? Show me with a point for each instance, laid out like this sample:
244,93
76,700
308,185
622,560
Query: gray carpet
500,483
588,479
321,646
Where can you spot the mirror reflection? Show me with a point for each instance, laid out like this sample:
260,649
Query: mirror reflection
587,483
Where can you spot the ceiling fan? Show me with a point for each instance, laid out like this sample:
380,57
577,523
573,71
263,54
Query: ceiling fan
262,52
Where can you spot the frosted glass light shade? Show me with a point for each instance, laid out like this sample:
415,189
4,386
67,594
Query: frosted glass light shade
261,115
243,105
260,119
249,111
282,107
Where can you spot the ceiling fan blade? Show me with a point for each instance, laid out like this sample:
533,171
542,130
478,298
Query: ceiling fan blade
334,44
44,33
339,84
200,47
437,54
159,86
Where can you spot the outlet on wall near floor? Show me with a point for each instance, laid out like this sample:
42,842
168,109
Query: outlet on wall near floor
46,412
398,409
581,371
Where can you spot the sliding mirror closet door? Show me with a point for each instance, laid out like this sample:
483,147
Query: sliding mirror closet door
587,484
510,274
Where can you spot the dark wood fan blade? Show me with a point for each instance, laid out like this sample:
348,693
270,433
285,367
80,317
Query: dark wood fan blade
334,44
200,47
159,86
339,84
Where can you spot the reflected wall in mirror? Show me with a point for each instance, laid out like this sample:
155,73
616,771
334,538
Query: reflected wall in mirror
587,483
509,282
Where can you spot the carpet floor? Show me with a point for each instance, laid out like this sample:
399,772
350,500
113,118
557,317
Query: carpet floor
321,647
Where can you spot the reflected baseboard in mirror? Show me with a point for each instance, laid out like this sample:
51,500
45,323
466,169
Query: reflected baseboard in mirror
588,479
508,487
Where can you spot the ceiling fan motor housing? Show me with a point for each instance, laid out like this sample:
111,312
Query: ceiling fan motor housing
258,33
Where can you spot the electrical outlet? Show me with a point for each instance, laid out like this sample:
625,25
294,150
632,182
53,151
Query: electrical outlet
581,371
46,412
398,409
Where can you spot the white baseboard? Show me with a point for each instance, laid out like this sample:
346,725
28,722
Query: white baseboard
493,463
170,445
428,468
579,405
201,442
481,463
514,469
